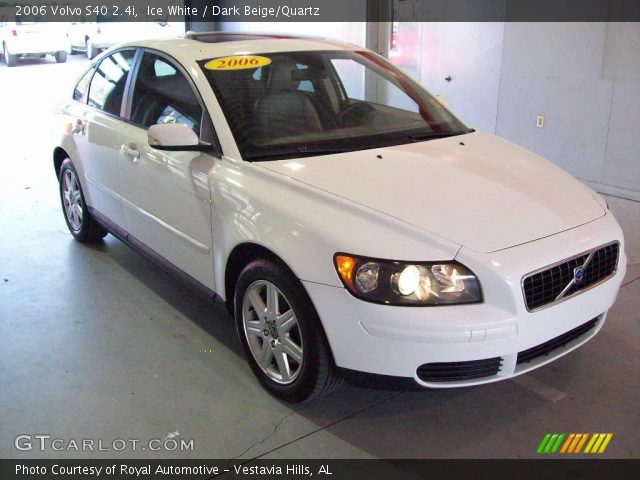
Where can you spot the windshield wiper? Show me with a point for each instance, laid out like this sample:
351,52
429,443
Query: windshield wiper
323,150
294,152
419,137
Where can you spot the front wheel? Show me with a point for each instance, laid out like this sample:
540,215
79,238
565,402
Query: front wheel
281,333
61,56
80,222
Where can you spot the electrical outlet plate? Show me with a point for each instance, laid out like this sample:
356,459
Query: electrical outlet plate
540,121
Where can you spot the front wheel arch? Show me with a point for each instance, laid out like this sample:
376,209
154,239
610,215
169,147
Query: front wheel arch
317,374
239,257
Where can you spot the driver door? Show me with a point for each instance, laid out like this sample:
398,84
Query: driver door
166,195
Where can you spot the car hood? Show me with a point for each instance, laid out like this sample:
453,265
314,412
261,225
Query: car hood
476,190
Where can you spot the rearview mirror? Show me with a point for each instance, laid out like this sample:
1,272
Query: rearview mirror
174,137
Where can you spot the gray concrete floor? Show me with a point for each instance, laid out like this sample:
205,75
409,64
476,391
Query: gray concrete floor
97,342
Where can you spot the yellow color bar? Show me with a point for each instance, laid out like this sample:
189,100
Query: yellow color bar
592,440
599,440
606,441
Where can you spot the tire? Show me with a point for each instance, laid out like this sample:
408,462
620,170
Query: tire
92,52
79,221
316,373
10,59
61,56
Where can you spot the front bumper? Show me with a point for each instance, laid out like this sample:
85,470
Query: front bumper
397,341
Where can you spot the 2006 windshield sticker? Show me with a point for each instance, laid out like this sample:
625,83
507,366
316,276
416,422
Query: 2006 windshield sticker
238,62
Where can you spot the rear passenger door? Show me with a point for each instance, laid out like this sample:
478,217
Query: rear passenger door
100,123
166,194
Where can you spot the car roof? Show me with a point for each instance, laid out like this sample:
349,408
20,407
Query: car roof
205,45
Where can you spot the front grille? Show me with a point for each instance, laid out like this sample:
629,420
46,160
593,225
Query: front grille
547,347
456,371
557,282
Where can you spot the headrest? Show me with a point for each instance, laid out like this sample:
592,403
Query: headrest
281,77
174,86
311,73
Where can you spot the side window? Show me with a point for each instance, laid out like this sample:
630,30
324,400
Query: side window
352,76
162,94
81,87
107,86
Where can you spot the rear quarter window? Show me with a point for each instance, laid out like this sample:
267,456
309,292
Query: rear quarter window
82,86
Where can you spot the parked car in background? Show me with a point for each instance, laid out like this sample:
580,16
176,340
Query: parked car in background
26,38
94,37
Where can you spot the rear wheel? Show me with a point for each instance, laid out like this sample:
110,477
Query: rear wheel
61,56
282,334
80,222
10,59
92,52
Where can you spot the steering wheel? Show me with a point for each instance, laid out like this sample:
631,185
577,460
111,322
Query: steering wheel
361,108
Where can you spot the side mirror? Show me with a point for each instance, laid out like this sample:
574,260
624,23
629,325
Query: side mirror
174,137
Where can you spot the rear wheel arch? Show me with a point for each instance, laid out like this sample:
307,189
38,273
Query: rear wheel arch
59,154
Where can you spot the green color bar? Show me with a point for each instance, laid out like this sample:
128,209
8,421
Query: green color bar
550,443
543,443
558,442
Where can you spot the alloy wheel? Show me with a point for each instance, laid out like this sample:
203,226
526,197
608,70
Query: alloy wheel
72,200
272,332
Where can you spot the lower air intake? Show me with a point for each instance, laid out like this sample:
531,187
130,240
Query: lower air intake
457,371
560,341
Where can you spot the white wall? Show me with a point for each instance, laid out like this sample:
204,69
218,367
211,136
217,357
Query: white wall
352,32
585,79
471,54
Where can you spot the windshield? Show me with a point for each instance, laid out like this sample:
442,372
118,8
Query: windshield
312,103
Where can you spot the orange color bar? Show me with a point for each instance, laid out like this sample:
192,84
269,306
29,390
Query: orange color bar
575,442
567,442
581,443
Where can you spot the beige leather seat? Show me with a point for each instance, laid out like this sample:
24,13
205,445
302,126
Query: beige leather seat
284,110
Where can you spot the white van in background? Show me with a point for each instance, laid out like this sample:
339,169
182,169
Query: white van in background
27,38
94,37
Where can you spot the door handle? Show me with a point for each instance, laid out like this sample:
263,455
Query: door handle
79,127
130,150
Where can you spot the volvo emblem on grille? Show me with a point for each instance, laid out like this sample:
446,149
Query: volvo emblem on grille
578,274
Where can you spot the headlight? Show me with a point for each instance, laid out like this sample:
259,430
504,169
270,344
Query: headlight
404,283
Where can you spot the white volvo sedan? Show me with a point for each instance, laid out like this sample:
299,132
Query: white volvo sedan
349,220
